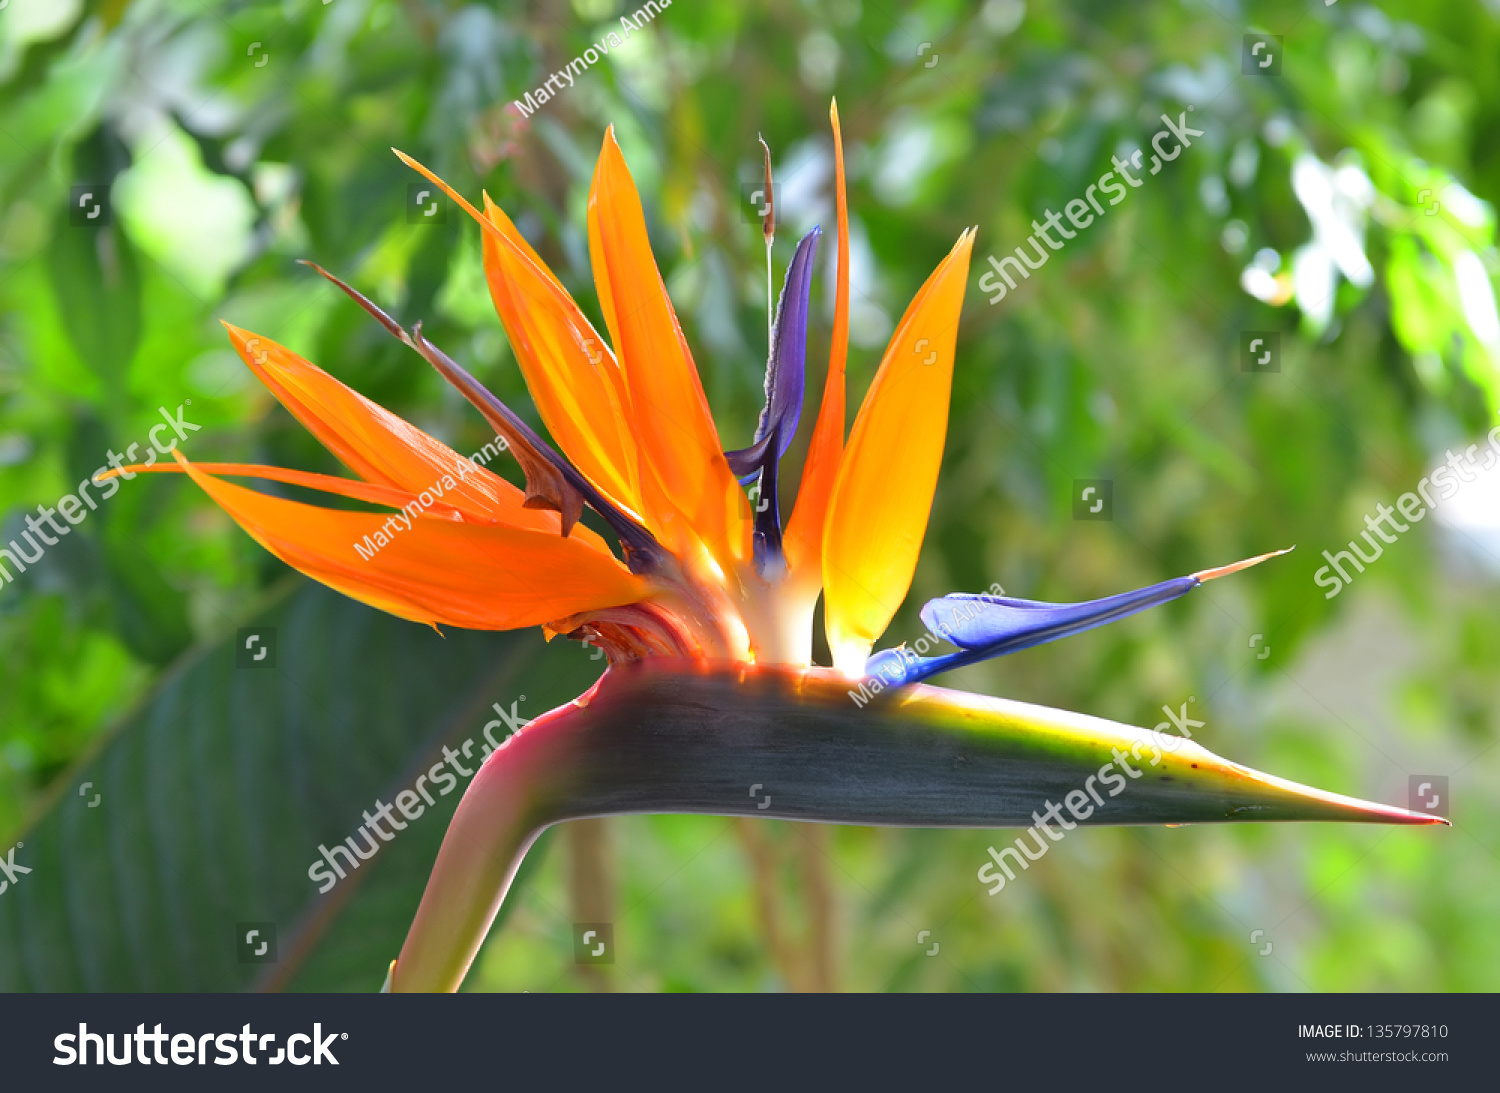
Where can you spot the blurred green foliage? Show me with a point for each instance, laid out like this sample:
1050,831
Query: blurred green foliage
236,137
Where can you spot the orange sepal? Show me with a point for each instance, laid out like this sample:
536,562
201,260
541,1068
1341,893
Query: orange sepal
881,502
684,466
343,487
376,444
476,576
570,371
804,531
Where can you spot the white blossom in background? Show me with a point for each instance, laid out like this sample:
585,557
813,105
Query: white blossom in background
1472,518
1260,278
1477,297
1337,201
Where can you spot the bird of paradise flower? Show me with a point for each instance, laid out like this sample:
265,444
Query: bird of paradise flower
707,616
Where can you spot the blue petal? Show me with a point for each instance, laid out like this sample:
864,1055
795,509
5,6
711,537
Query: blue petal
893,666
1000,624
984,626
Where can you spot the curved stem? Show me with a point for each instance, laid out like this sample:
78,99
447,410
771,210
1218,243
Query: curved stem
666,736
503,811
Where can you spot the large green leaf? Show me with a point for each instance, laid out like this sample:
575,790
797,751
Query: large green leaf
98,289
215,795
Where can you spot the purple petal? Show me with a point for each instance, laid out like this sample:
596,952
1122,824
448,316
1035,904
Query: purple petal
785,369
786,365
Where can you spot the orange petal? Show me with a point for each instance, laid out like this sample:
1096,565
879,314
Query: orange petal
571,373
883,497
675,429
477,576
376,444
343,487
804,531
428,503
721,517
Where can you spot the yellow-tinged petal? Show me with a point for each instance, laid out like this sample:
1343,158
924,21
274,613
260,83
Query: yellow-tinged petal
476,576
571,373
883,497
379,446
803,541
684,467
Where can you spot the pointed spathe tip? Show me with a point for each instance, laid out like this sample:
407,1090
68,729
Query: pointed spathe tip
1235,567
1268,792
1359,811
1373,812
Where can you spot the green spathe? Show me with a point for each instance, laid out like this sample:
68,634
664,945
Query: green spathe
674,736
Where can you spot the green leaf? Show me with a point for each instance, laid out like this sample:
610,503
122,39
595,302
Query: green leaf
98,289
215,795
150,615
